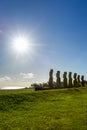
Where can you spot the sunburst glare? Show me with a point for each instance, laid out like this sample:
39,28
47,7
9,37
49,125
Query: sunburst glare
20,44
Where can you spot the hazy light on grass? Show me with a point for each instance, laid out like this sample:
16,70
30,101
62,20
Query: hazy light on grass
11,87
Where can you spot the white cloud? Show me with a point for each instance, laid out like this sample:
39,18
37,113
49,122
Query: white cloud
5,78
27,75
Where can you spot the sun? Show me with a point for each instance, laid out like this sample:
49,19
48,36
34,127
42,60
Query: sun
20,44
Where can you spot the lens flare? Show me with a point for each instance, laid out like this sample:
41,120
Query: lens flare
20,44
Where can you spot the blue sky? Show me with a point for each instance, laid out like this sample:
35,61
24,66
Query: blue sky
57,29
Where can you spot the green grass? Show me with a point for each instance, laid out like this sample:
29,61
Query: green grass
62,109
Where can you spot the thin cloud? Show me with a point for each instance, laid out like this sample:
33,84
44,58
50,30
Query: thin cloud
27,75
5,78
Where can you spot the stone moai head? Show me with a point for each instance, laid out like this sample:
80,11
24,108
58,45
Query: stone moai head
51,78
70,79
70,74
78,77
65,75
75,76
65,79
58,74
51,72
82,78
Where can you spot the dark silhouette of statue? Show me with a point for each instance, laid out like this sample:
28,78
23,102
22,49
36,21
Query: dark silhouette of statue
70,79
83,81
75,79
58,80
65,79
51,78
78,78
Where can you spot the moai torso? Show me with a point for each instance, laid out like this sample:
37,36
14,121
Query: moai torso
65,79
78,78
51,78
70,79
75,79
58,80
83,82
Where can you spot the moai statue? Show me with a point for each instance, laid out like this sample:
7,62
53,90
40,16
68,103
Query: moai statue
65,79
78,78
58,80
83,82
75,79
51,78
70,79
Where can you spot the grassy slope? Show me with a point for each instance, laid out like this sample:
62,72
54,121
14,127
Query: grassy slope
64,109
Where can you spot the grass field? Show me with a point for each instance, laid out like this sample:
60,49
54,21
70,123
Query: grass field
62,109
